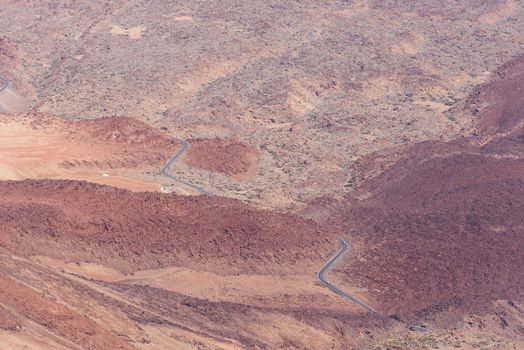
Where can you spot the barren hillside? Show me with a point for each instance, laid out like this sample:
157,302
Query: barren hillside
312,86
175,174
438,225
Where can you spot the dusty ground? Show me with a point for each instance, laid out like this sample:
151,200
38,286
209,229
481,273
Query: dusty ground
438,225
499,330
311,86
116,151
395,125
141,269
11,101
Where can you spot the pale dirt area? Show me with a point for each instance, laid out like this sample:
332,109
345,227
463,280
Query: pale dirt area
412,44
278,126
253,289
53,148
501,12
301,96
184,18
284,327
133,32
28,339
89,270
282,290
28,153
440,107
11,101
380,87
167,338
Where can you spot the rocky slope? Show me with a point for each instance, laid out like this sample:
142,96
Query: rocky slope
397,126
438,225
312,86
229,157
84,266
131,231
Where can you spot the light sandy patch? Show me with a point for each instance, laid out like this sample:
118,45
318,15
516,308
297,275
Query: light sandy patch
57,152
503,11
155,104
118,30
184,19
362,196
179,190
94,271
450,81
409,46
7,173
38,154
135,185
133,32
301,97
275,328
28,339
440,107
282,290
11,101
210,72
462,79
459,79
278,125
278,197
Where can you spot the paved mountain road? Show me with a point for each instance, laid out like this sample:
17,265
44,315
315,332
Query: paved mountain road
164,171
322,278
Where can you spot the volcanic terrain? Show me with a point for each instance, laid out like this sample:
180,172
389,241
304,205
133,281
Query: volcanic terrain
115,150
174,175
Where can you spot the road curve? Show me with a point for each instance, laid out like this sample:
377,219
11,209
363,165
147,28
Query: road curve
3,83
164,171
335,289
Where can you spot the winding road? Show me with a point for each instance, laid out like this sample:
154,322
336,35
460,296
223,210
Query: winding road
321,275
164,171
322,278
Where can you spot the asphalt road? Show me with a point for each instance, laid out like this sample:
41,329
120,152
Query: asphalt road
164,171
3,83
322,278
